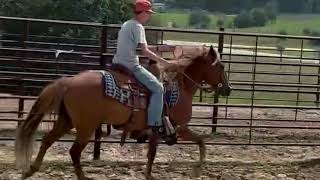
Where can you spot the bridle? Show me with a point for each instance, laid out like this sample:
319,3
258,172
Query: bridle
201,87
198,85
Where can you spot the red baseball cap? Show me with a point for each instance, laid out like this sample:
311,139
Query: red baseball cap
143,6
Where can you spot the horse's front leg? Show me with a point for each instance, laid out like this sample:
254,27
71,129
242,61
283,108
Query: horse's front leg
152,151
186,134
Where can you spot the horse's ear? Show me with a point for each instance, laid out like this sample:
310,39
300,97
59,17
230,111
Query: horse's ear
213,52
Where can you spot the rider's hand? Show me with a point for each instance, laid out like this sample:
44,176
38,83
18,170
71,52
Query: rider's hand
167,65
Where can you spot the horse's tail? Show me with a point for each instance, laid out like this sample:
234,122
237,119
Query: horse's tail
49,100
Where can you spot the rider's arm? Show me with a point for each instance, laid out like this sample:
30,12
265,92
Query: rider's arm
151,55
162,48
140,39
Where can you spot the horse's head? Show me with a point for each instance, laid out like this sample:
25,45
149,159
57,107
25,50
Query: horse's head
214,74
206,66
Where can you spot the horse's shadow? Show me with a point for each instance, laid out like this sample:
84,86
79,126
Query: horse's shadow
188,169
121,168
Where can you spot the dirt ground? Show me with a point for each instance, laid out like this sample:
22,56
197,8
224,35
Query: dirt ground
179,161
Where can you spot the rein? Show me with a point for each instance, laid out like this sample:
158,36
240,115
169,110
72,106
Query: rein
193,81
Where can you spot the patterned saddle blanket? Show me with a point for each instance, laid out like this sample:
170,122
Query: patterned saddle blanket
133,94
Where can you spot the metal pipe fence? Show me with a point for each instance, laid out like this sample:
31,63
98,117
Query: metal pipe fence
265,77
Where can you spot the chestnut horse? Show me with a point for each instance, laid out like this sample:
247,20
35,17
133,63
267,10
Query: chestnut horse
81,104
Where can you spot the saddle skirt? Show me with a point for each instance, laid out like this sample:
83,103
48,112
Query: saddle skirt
120,84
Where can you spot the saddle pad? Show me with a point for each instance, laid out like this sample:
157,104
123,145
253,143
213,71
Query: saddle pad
171,94
111,89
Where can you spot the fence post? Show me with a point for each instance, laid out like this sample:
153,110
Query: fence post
216,96
317,93
201,95
98,132
20,110
25,35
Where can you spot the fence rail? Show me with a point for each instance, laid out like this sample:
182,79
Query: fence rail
259,74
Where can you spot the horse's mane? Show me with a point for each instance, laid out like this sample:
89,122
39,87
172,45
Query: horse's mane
184,56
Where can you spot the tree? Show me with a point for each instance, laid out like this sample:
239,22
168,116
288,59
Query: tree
306,31
220,22
259,17
107,11
199,19
155,21
236,6
271,10
243,20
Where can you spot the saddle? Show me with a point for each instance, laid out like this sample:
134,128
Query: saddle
126,82
119,82
125,71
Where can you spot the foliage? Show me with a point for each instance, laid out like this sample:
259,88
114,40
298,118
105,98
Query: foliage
259,17
199,19
104,11
283,32
306,31
155,21
243,20
221,22
255,17
236,6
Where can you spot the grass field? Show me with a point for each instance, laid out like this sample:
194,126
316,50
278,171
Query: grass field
182,19
292,24
244,72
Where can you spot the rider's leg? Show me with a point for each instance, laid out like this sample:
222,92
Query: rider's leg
156,98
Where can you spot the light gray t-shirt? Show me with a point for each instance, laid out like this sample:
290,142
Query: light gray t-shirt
130,35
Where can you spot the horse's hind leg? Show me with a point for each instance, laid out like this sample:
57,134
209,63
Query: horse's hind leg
61,126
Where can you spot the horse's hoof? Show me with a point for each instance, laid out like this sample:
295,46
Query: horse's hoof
27,174
196,171
142,139
170,140
149,177
85,178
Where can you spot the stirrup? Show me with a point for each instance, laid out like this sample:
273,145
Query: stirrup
169,129
159,130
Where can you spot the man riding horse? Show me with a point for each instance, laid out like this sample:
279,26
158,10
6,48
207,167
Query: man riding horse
132,36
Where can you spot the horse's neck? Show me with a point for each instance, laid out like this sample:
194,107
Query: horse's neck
188,85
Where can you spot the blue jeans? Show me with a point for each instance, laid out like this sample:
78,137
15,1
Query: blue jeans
156,98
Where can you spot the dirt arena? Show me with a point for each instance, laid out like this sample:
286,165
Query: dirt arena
178,162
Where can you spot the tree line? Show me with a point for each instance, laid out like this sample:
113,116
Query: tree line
103,11
236,6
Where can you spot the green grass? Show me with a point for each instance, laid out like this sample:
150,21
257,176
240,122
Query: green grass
263,97
291,23
181,19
